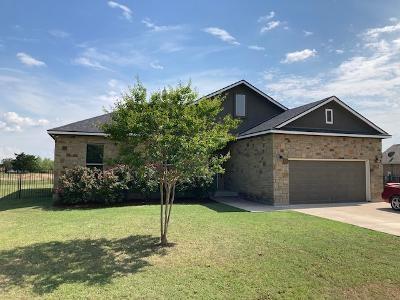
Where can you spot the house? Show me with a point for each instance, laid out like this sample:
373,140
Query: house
320,152
391,162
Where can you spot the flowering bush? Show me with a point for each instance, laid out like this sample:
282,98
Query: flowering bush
84,185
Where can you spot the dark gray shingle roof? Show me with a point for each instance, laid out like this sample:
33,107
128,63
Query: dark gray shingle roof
283,117
91,125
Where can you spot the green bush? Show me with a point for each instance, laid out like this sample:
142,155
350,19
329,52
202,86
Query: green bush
83,185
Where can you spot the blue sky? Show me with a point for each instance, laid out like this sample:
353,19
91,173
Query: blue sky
62,61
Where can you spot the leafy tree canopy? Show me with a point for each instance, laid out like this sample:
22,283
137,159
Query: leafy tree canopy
171,138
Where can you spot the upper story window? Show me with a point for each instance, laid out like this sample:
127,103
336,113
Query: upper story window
240,105
328,116
94,156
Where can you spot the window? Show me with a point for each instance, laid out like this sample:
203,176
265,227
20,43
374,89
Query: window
240,105
328,116
94,156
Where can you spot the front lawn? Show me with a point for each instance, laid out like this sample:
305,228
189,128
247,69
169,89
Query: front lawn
218,253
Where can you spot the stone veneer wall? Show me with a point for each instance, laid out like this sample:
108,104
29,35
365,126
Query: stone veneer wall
249,170
70,151
323,147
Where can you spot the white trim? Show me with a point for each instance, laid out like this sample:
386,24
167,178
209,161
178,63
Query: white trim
327,111
249,86
367,171
313,133
76,133
338,101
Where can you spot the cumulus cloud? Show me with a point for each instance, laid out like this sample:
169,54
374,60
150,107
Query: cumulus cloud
11,121
299,56
28,60
158,28
269,26
256,48
222,34
126,11
267,17
374,33
339,51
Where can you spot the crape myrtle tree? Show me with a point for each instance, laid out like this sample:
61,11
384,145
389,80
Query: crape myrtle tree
170,139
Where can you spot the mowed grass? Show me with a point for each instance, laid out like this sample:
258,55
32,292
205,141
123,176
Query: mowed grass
218,253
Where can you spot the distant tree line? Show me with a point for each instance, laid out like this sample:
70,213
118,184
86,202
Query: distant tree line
26,163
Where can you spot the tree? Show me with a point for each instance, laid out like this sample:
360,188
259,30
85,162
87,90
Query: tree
25,162
45,164
7,164
170,139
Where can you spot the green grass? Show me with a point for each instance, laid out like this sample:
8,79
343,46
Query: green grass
218,252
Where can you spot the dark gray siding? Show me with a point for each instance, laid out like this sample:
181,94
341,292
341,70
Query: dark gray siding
258,108
344,121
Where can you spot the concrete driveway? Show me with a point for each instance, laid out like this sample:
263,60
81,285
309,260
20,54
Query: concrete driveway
377,216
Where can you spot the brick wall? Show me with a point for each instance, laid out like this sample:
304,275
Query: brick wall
323,147
249,170
70,151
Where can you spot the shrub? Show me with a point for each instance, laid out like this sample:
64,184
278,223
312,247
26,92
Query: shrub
84,185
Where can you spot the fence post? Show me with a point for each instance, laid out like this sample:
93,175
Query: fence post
19,186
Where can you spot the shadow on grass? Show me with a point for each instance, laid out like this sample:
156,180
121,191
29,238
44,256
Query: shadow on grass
220,207
46,266
38,198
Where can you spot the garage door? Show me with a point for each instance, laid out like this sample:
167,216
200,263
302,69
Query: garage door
326,181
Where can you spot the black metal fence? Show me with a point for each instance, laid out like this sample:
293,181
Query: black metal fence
26,185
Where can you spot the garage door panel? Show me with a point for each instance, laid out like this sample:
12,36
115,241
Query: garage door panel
326,181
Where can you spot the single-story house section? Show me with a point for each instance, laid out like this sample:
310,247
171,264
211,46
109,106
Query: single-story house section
320,152
391,161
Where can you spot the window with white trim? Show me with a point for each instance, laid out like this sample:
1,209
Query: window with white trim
329,116
240,105
94,156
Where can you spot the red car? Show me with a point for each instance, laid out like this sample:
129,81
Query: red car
391,194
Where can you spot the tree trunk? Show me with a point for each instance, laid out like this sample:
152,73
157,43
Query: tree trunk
167,193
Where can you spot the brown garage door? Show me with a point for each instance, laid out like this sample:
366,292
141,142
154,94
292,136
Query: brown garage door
326,181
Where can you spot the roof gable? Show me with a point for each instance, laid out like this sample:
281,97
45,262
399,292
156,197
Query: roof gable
341,103
343,121
250,86
282,122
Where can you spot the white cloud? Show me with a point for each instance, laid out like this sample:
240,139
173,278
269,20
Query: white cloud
299,56
87,62
126,11
307,33
59,33
270,25
393,19
158,28
265,18
222,34
28,60
339,51
11,122
374,33
256,48
369,81
156,65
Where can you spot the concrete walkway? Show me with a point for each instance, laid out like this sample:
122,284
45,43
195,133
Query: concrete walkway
377,216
